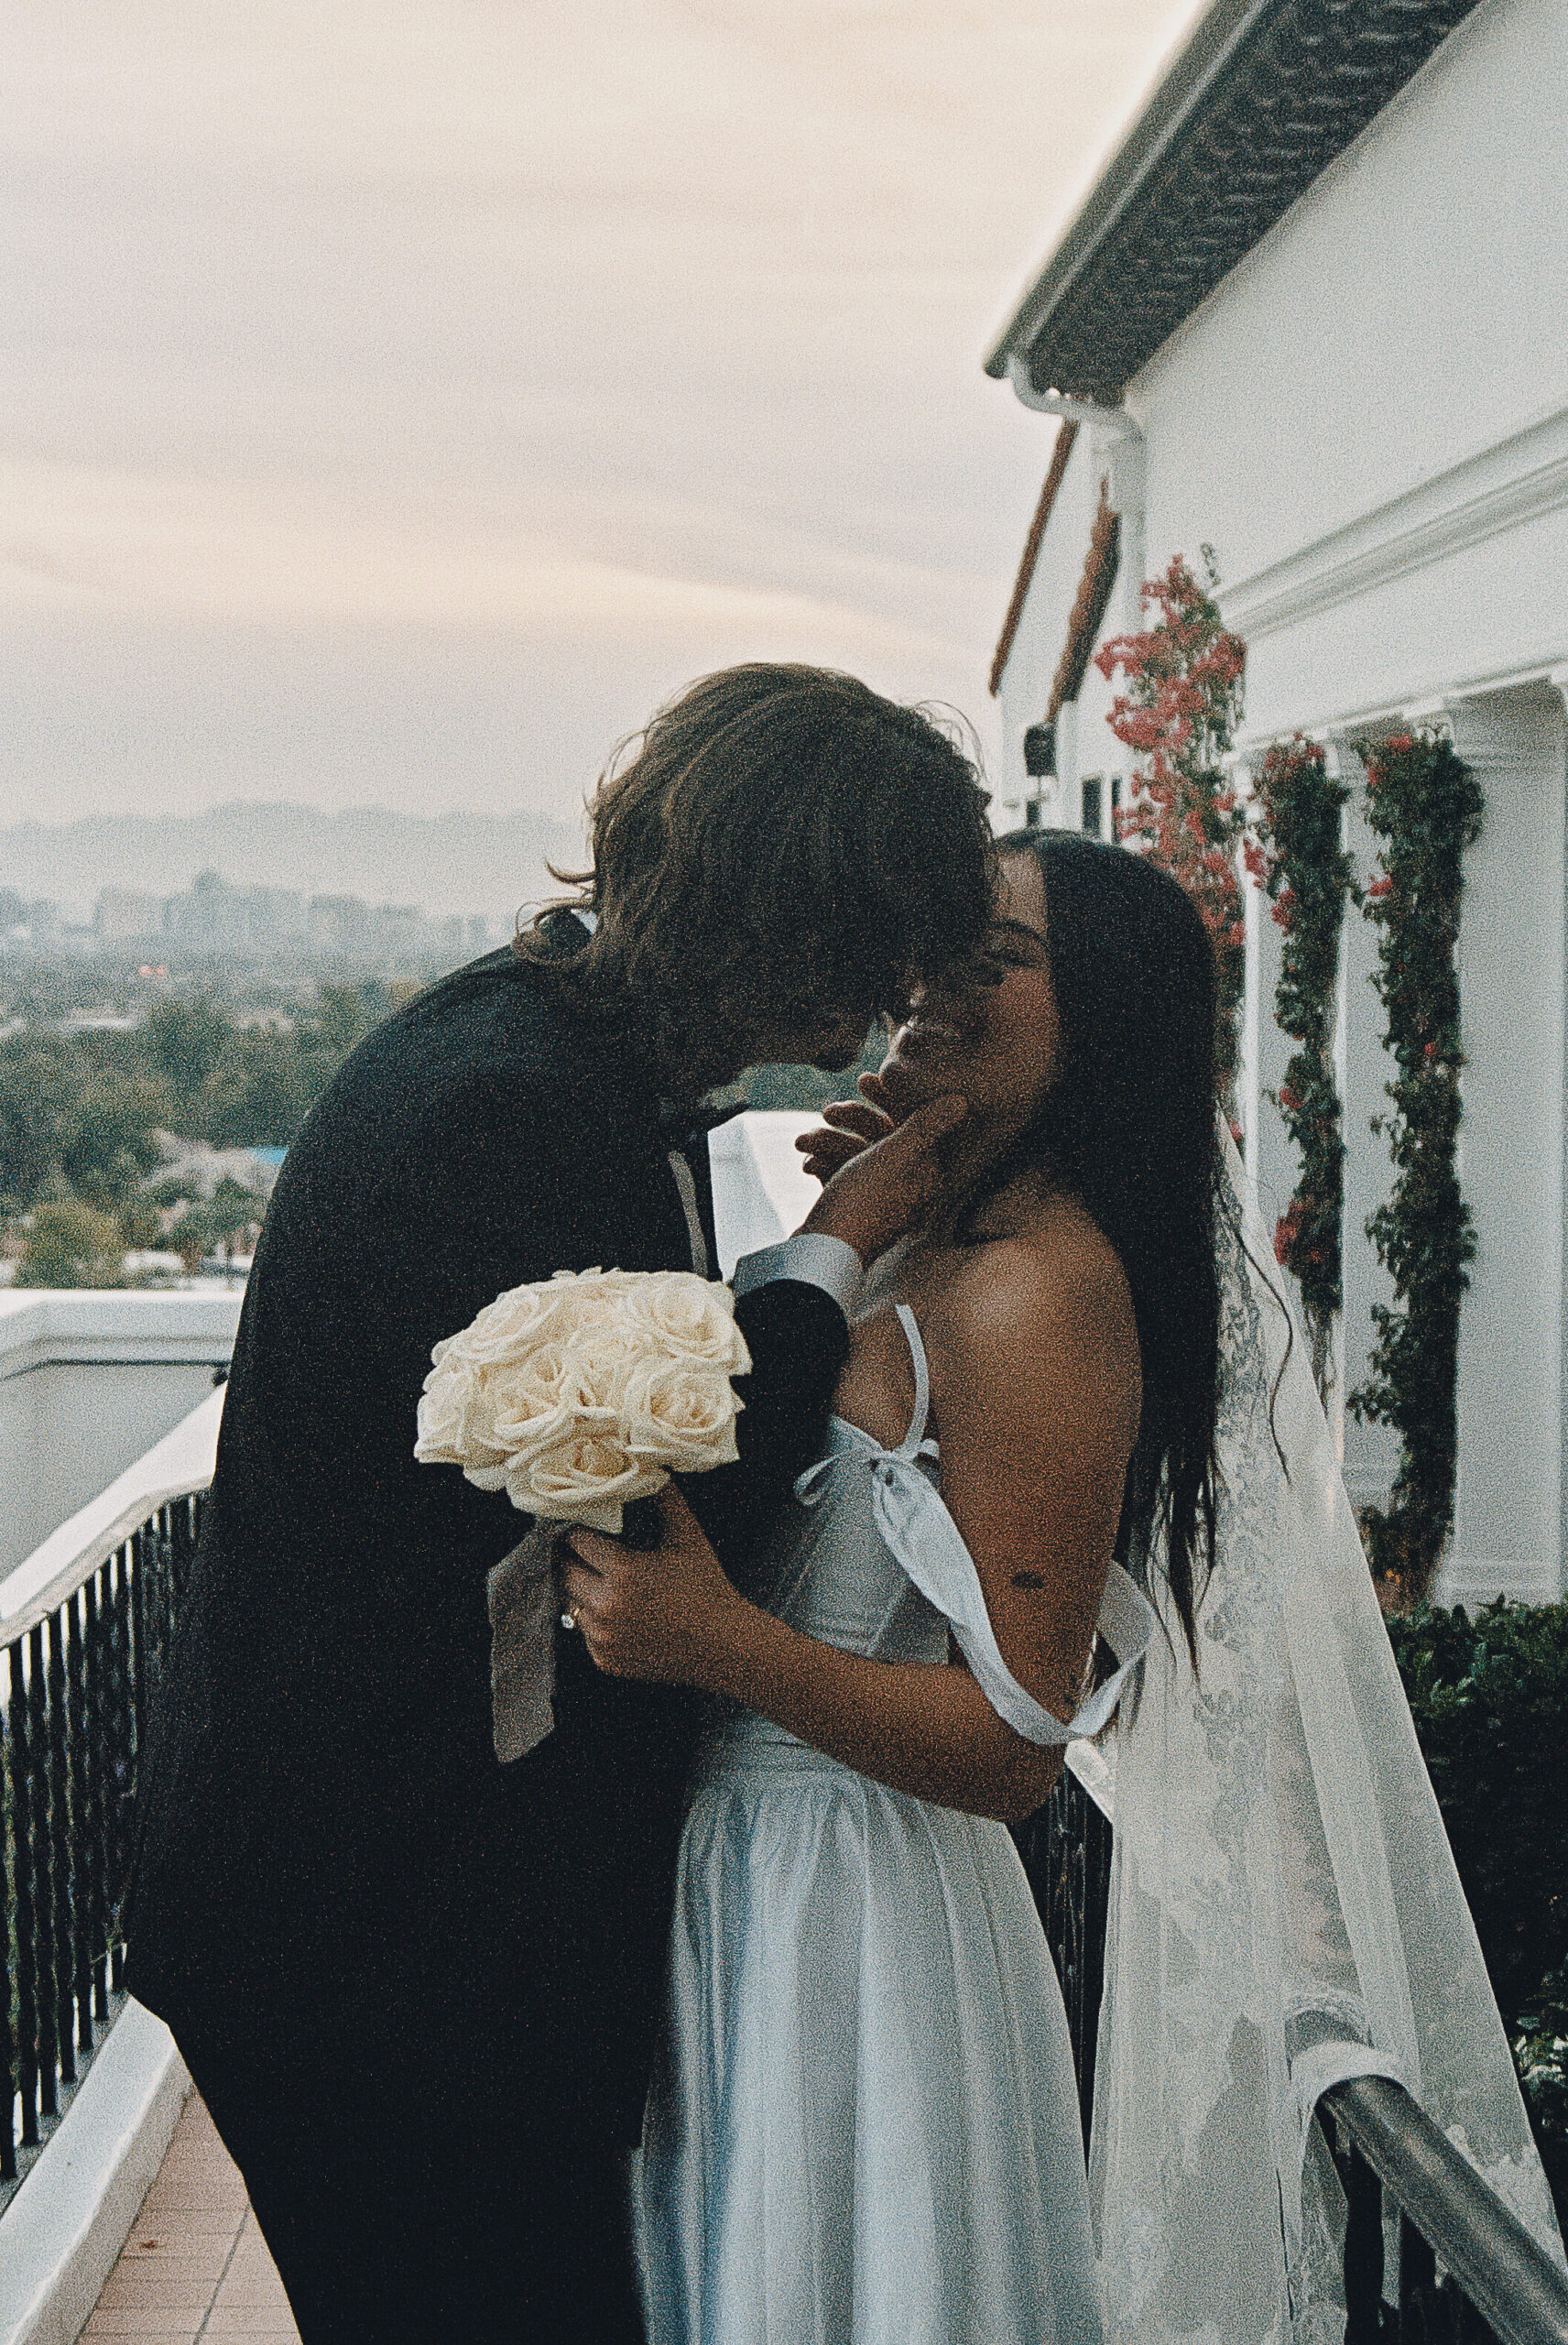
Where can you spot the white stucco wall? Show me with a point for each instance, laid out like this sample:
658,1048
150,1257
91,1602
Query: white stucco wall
1368,421
1084,745
1025,689
761,1189
1390,362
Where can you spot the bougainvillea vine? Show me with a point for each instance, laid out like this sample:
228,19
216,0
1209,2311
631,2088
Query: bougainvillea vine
1425,805
1298,859
1179,711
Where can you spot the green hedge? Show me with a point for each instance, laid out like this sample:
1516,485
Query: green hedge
1541,2048
1490,1701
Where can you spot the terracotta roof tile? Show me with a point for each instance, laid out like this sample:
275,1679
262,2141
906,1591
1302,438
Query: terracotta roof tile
1089,605
1025,579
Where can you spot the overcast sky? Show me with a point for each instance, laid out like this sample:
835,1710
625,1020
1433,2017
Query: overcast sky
402,400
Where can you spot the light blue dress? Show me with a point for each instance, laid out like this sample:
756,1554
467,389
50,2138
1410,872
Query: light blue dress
862,2127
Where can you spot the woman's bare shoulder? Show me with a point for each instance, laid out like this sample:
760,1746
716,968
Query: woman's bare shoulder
1044,1304
1053,1261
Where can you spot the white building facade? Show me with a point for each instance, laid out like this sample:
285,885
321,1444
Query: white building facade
1314,315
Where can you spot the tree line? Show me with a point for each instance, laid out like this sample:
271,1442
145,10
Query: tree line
81,1115
84,1115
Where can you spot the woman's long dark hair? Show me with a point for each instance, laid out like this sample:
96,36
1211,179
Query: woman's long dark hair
1128,1129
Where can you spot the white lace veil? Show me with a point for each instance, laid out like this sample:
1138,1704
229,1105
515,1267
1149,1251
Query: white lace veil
1284,1908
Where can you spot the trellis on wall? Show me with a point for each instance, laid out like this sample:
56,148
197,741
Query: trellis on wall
1425,806
1297,858
1178,711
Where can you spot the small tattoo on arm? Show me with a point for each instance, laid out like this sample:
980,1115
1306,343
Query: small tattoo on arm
1028,1580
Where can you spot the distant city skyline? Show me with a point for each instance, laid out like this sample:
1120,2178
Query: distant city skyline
212,917
403,405
454,864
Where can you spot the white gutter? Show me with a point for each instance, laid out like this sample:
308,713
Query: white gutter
1119,436
1112,422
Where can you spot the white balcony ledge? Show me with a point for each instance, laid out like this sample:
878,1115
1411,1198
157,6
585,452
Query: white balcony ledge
90,1382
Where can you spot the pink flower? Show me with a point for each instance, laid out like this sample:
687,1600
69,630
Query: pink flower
1287,1229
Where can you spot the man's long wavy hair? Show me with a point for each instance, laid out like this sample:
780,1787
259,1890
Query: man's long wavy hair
1128,1129
777,851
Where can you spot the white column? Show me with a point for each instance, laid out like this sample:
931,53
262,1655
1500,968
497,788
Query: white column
1554,724
1273,1165
1509,1526
1009,782
1254,1011
1122,459
1270,1177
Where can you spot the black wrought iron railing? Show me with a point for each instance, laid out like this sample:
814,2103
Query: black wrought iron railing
1466,2270
82,1665
1066,1850
81,1668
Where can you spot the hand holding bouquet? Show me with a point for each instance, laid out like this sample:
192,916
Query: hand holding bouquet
580,1393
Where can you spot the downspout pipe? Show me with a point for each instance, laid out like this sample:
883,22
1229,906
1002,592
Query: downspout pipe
1121,438
1120,435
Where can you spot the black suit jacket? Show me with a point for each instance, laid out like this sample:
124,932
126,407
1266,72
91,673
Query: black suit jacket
327,1850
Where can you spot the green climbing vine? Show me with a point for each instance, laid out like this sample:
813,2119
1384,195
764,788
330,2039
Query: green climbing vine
1426,807
1296,857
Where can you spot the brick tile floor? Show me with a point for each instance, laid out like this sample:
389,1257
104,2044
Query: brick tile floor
195,2265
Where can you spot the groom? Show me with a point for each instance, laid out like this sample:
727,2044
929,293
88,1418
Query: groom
416,1987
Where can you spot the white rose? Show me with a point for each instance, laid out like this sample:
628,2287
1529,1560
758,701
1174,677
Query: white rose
681,1415
590,1298
606,1375
516,1321
586,1478
442,1413
606,1354
690,1318
524,1405
482,1454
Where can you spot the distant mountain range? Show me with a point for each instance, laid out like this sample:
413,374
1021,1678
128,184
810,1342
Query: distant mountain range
488,863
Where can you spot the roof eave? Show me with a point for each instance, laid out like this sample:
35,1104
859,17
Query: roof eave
1176,96
1262,96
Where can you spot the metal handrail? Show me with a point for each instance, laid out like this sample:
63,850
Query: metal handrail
87,1625
1512,2283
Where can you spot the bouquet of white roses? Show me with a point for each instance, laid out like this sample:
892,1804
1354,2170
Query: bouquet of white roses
578,1393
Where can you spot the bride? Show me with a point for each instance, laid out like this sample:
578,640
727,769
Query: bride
1062,1452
